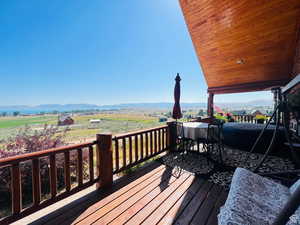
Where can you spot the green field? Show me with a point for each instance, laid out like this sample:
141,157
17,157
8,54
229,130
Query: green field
11,122
82,130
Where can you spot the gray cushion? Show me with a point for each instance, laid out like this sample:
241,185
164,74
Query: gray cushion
253,198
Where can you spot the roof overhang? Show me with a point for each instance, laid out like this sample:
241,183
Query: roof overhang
244,45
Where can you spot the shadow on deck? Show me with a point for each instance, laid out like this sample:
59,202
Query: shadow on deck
153,195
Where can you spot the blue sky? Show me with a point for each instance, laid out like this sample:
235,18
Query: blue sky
99,52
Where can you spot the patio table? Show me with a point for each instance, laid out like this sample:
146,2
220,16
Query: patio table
199,130
195,130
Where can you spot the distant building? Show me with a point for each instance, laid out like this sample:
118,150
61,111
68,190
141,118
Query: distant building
65,120
93,121
256,113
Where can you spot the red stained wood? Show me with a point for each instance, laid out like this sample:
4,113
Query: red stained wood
79,167
166,205
39,154
130,150
105,164
117,154
142,145
91,163
159,140
124,151
221,201
150,198
192,208
151,143
155,141
136,147
67,171
206,208
36,182
210,105
16,189
244,42
180,205
296,69
137,202
144,198
164,138
147,144
102,208
148,209
139,132
53,176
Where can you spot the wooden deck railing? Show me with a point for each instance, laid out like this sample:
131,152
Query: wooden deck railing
133,148
244,118
49,157
112,155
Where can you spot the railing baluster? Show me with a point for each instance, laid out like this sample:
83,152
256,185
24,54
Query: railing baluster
130,150
147,144
136,147
36,181
142,145
16,189
163,138
67,171
91,162
151,143
159,140
53,180
124,151
117,153
79,167
155,141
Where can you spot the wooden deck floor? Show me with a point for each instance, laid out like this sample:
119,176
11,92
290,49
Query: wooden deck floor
153,195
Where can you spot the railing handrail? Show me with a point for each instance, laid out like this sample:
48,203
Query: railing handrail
142,144
119,136
27,156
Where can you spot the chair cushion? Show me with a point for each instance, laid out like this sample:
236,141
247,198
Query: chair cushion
233,217
295,219
295,186
255,197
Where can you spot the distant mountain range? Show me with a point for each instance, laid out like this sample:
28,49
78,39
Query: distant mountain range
159,105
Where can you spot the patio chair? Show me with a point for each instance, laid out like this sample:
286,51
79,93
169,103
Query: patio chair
213,138
184,144
256,200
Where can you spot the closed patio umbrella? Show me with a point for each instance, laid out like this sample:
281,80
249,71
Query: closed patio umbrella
176,109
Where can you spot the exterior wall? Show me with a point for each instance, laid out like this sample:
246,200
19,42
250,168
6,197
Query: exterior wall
296,69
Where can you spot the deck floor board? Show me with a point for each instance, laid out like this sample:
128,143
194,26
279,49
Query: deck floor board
149,196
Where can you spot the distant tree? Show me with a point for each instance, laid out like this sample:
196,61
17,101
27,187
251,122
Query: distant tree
201,112
16,113
4,114
55,112
168,114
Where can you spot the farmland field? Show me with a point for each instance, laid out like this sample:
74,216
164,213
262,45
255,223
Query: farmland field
11,122
82,129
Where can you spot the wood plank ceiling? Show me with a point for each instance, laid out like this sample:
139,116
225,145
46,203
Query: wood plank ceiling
245,45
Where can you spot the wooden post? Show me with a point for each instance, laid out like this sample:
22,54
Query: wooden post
16,189
104,160
210,105
172,135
